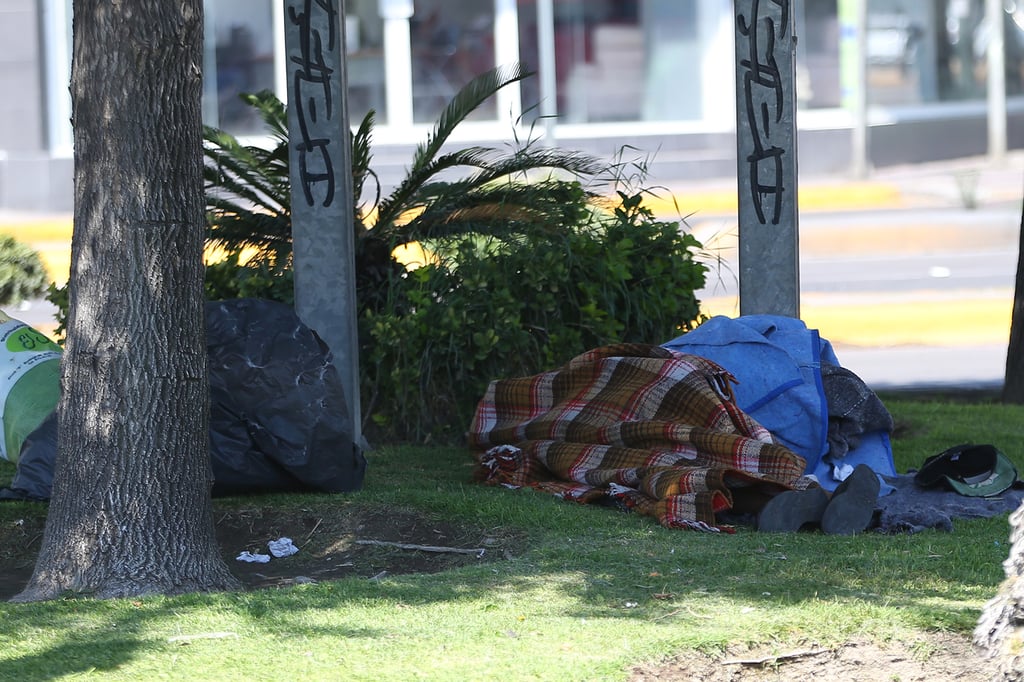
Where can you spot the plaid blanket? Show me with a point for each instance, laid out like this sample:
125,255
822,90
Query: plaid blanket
642,426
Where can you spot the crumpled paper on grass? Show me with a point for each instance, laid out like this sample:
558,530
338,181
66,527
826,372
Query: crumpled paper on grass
282,547
252,558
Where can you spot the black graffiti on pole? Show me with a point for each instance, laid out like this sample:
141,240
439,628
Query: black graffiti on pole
312,97
763,93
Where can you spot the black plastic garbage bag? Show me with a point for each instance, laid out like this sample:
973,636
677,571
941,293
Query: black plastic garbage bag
278,416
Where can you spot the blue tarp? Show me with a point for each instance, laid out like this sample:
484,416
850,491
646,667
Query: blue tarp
777,362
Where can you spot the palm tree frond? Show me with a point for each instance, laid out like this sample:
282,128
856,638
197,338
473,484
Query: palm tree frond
475,93
271,110
361,157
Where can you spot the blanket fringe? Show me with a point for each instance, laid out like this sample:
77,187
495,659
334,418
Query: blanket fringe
685,524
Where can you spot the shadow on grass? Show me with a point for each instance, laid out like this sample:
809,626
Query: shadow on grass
561,560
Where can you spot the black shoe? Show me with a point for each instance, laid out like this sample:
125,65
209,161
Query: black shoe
789,511
853,503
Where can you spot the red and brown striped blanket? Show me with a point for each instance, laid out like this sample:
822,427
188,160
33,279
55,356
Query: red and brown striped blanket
654,429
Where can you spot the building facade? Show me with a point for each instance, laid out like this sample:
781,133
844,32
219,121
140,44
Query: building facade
656,76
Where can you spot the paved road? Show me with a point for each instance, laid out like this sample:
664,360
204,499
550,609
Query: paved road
890,251
895,274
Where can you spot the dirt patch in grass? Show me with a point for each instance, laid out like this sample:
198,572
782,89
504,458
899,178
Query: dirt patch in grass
937,656
332,544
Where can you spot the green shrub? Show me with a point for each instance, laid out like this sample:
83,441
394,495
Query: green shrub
22,274
269,277
494,308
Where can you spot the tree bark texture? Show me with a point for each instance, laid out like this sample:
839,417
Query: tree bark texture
1013,380
130,512
1000,630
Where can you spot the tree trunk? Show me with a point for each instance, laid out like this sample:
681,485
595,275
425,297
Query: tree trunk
130,512
1013,380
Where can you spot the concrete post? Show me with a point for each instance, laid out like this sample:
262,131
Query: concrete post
320,157
766,157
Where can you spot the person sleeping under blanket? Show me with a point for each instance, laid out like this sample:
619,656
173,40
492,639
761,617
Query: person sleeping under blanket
654,431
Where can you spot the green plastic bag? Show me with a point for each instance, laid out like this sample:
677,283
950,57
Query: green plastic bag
29,382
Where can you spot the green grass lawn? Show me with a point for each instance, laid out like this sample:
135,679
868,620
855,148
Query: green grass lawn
581,593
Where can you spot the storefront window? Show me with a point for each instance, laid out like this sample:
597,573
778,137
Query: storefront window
963,45
623,60
937,52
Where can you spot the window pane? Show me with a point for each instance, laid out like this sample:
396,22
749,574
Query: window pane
452,41
817,65
1013,42
963,44
364,40
600,60
240,38
900,69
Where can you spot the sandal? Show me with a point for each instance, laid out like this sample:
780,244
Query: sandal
853,503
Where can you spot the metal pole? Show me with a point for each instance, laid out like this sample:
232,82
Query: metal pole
546,57
397,61
57,36
860,93
320,158
995,57
506,51
766,157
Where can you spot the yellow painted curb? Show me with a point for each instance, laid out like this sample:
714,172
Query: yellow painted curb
840,197
47,230
51,239
931,321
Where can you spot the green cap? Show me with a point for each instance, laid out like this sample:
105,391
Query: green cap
996,480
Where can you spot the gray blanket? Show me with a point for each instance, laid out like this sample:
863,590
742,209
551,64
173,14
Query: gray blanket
909,508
